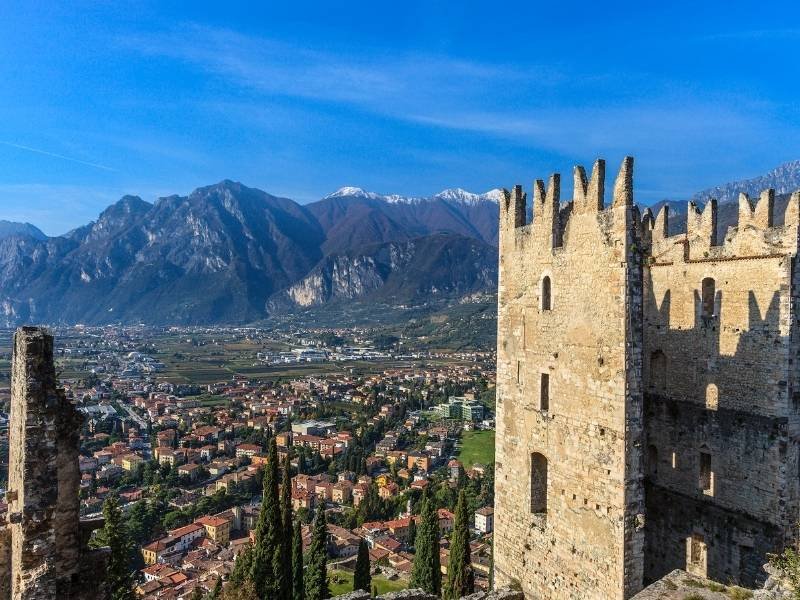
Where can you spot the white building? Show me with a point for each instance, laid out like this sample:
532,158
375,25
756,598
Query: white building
484,519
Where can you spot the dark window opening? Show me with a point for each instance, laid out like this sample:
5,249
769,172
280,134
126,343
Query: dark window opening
544,392
546,294
538,483
706,475
709,290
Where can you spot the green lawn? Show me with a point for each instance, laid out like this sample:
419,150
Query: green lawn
476,447
341,582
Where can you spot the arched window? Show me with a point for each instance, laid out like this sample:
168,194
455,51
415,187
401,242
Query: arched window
658,370
708,289
538,483
547,302
652,460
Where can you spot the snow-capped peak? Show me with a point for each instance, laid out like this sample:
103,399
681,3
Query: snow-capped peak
452,195
356,192
462,195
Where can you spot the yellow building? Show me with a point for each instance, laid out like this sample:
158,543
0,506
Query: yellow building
131,461
217,529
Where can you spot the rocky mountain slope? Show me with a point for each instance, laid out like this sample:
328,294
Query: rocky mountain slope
9,228
213,256
228,254
436,266
352,217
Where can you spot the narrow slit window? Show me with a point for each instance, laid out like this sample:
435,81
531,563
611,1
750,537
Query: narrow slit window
544,392
709,291
538,483
546,293
706,482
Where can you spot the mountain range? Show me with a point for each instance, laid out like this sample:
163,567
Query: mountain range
227,253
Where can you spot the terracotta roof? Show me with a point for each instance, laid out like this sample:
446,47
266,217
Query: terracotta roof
212,521
186,530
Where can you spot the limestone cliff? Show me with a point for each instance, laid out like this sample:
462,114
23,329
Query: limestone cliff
436,266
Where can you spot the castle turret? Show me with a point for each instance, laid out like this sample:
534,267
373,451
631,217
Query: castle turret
569,488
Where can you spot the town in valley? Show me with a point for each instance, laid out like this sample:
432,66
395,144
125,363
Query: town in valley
177,423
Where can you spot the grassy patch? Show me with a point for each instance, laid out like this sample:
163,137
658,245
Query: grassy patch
341,582
476,447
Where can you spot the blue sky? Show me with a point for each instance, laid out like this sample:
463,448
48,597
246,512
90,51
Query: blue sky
300,98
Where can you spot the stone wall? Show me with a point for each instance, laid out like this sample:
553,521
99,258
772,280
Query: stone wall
569,500
48,560
670,359
721,418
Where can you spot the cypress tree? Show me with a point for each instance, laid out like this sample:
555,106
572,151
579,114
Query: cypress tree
115,535
268,532
316,578
412,531
460,578
243,567
298,590
426,572
361,576
282,553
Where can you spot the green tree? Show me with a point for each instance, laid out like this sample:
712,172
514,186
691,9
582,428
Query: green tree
268,532
460,578
412,531
426,572
115,535
298,590
316,578
361,576
285,546
243,567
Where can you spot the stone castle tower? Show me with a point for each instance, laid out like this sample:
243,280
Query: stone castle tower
647,414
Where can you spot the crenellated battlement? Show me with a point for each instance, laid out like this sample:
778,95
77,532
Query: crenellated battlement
755,234
552,222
